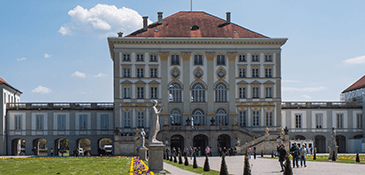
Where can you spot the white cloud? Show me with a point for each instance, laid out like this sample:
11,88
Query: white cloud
65,30
290,81
21,59
314,89
78,74
41,89
101,75
356,60
307,96
102,20
46,55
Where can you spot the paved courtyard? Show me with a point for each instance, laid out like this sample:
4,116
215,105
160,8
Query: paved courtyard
271,166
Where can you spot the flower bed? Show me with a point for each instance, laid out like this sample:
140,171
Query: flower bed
139,167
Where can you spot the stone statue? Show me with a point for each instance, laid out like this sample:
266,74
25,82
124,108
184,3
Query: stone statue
143,134
333,138
155,123
238,142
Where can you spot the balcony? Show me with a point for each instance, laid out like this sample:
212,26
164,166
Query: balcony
320,105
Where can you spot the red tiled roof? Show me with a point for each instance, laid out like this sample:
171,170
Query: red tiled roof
179,25
357,85
2,81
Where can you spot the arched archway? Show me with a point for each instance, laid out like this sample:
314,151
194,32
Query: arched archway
298,137
320,143
40,147
177,141
341,143
105,146
224,141
200,141
61,145
18,147
85,144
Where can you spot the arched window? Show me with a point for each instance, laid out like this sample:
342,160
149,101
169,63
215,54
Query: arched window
221,93
175,91
199,117
175,117
221,117
198,93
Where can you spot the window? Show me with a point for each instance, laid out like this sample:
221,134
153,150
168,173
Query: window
153,58
298,121
242,118
268,92
242,92
198,60
127,119
175,60
255,92
175,117
221,93
255,118
220,117
255,58
140,92
127,92
140,57
268,118
199,117
221,60
268,73
153,92
140,119
62,122
104,121
359,120
153,73
242,73
39,122
255,73
83,122
319,119
242,58
140,73
126,72
175,92
18,122
126,57
339,120
268,57
198,93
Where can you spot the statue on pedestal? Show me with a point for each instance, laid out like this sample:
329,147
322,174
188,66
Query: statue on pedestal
143,134
333,138
155,123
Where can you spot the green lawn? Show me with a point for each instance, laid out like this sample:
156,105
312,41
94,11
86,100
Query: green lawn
92,165
198,170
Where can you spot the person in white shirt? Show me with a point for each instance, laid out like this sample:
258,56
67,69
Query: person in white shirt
303,154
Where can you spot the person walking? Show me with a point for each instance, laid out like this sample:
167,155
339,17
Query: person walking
207,150
191,152
303,153
294,150
282,153
249,152
254,152
173,151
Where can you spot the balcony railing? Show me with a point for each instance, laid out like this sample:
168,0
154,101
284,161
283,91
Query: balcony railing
338,104
60,106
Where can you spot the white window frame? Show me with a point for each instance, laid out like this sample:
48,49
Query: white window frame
198,93
255,118
140,57
339,120
242,58
269,118
39,121
268,57
83,121
221,93
126,72
153,93
221,117
198,59
243,118
242,92
140,73
242,73
140,119
140,92
126,57
255,92
298,120
221,60
255,58
127,119
175,60
153,58
104,121
17,122
268,92
175,91
153,73
319,120
127,92
175,117
61,119
268,73
359,120
255,73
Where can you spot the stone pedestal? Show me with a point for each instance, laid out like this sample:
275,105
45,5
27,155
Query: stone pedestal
142,151
155,159
331,150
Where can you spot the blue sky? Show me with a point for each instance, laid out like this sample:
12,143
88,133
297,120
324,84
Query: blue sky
56,51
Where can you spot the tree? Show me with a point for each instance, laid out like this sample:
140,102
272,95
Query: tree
357,156
262,153
224,170
206,163
288,170
195,165
105,141
186,163
180,159
246,168
175,161
272,154
314,154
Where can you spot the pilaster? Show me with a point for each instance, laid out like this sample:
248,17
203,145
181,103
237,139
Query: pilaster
210,80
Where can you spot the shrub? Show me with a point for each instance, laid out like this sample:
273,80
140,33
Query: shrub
180,159
206,163
170,157
246,168
288,170
357,156
175,161
195,165
272,154
262,153
186,163
314,155
224,170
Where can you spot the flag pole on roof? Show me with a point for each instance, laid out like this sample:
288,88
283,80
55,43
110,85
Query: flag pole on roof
191,5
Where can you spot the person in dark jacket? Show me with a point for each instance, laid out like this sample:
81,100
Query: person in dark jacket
294,150
282,153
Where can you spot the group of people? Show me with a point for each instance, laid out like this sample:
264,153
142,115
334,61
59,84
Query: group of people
227,151
250,152
296,152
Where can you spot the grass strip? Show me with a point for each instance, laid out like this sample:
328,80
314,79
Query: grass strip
198,170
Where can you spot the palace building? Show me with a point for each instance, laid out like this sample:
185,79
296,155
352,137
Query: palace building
220,84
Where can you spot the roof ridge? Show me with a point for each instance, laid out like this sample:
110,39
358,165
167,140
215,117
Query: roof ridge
2,81
360,83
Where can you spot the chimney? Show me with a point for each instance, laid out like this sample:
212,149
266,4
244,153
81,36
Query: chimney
120,34
228,17
159,15
145,23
